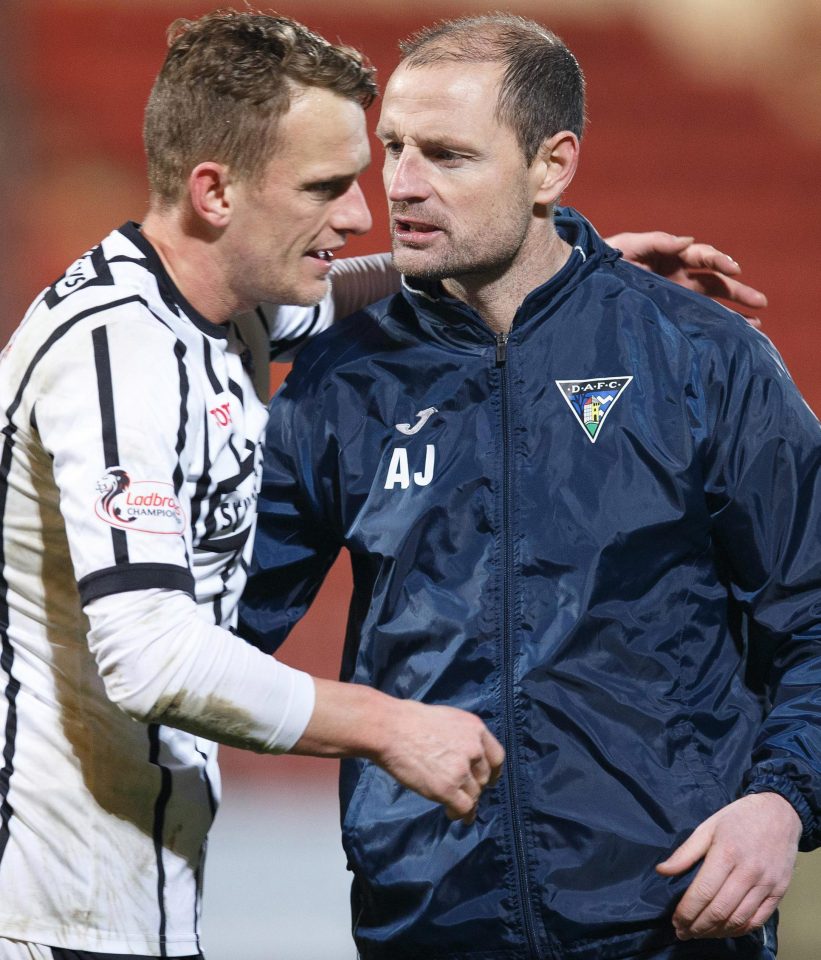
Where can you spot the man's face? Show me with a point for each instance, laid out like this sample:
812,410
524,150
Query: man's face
459,190
286,226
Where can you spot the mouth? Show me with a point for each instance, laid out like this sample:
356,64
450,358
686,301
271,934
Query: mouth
414,232
326,255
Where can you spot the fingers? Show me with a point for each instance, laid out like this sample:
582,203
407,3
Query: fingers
485,770
751,850
654,243
464,803
495,756
481,771
735,908
711,272
702,256
697,266
690,852
443,753
706,901
726,288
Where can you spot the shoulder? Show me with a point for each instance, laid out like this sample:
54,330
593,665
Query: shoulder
348,344
109,282
692,322
101,314
714,355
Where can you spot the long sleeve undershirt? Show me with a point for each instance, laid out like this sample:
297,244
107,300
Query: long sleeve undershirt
162,663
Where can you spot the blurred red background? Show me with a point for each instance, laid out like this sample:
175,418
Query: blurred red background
705,119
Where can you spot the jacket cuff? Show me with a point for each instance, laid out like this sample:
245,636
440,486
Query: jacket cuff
772,783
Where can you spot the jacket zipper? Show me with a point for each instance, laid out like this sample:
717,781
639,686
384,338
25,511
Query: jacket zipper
511,755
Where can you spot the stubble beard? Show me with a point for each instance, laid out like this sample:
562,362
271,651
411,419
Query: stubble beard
487,257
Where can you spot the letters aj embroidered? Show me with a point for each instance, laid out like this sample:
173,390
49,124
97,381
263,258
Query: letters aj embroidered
399,473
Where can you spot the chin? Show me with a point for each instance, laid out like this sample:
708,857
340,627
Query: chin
308,295
409,263
413,268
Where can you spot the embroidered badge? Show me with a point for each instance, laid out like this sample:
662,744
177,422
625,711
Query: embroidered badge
591,400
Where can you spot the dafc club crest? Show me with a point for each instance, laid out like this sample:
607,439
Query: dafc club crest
592,400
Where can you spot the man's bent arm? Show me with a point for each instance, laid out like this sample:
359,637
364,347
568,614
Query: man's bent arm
162,663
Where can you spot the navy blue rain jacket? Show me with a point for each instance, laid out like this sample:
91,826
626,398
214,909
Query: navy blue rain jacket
601,534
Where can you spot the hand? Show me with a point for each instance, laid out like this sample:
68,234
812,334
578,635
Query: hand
696,266
749,849
445,754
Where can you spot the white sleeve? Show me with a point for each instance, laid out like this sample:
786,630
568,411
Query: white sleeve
356,282
163,663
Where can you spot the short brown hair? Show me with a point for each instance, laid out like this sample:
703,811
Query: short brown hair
226,81
542,90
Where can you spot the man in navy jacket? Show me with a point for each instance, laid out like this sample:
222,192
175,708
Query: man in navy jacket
580,502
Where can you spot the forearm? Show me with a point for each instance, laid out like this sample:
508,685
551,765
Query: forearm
357,282
785,758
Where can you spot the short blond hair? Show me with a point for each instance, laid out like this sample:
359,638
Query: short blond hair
226,81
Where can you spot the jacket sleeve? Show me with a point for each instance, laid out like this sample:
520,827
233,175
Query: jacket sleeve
764,491
296,541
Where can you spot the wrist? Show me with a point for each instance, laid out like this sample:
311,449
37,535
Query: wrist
349,720
769,782
377,727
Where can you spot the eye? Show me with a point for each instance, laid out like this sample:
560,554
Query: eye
328,189
393,148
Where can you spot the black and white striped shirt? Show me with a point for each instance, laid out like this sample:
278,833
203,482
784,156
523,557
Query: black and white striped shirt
129,455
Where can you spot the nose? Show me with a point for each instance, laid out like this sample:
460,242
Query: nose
352,214
404,179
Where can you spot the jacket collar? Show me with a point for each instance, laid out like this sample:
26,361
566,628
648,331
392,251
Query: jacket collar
452,320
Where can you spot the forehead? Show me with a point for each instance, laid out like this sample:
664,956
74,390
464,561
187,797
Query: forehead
321,131
441,99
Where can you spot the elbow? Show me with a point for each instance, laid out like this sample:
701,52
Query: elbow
137,701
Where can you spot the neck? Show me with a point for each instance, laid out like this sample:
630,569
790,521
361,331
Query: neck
189,255
496,294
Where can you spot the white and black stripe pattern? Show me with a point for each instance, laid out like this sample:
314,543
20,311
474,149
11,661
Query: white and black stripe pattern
130,429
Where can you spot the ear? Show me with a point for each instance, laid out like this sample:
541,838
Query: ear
209,188
555,166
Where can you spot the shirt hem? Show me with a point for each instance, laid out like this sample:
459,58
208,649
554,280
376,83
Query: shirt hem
98,941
